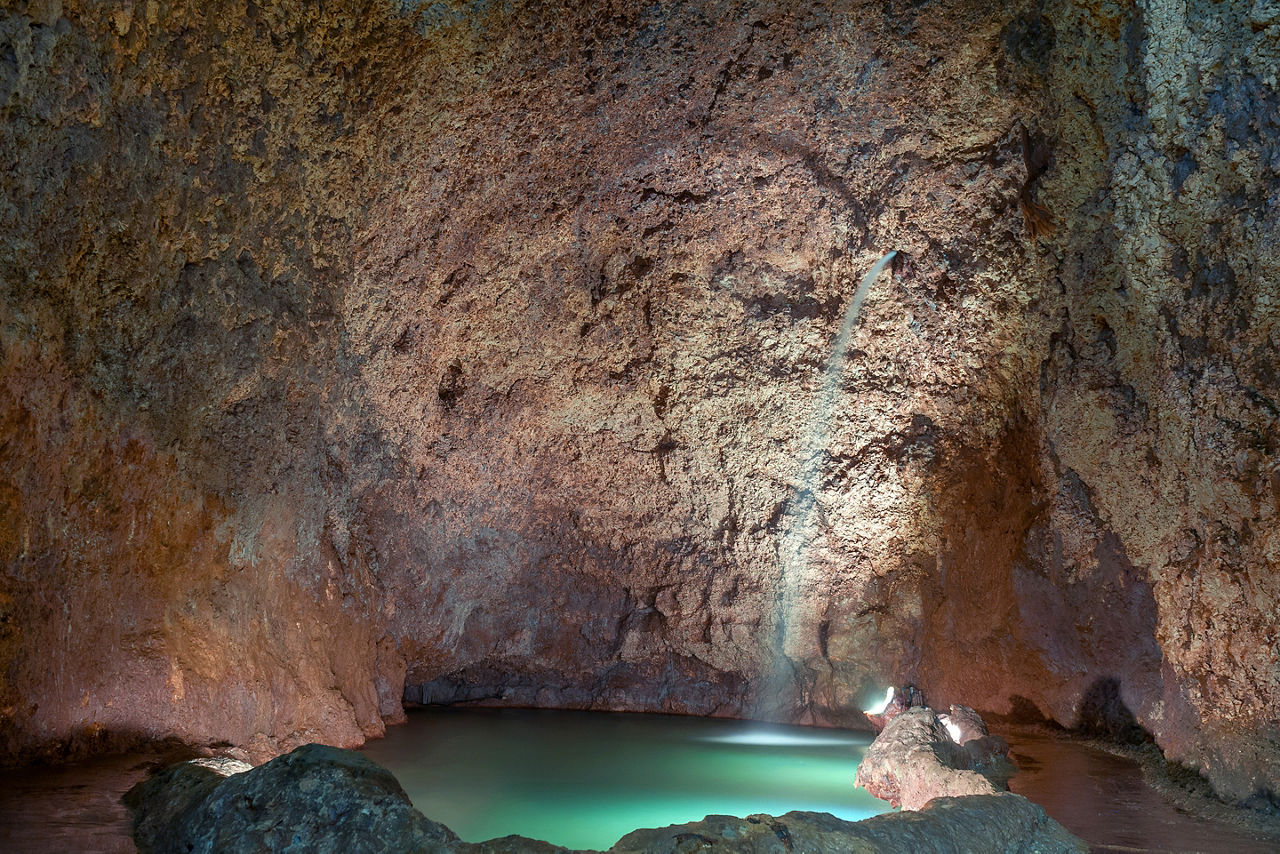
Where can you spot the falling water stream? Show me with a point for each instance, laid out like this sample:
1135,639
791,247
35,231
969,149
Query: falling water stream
794,550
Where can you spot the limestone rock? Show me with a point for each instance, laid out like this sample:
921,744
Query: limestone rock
915,760
315,798
1004,823
895,703
169,799
963,724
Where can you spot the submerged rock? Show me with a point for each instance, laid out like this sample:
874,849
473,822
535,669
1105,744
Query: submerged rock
916,760
326,799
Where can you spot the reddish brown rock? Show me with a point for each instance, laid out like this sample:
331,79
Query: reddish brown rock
475,350
174,557
896,701
1159,420
963,724
915,760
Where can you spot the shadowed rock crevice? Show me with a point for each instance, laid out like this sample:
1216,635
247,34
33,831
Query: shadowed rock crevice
1103,713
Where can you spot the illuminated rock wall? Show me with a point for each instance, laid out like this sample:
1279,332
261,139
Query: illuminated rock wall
472,348
180,187
1161,431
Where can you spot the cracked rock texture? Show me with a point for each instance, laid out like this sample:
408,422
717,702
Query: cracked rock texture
469,350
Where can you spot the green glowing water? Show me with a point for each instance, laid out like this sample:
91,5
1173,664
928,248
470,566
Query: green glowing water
584,780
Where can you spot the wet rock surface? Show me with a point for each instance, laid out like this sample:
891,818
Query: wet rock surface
993,822
473,349
915,760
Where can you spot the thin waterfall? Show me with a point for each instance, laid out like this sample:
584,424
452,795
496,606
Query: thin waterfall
794,550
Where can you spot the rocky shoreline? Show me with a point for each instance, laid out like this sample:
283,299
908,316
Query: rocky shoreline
320,798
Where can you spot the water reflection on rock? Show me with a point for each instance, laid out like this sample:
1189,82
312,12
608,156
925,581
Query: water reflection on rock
1105,799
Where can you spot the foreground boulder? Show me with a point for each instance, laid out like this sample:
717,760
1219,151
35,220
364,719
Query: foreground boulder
915,759
989,823
316,798
326,799
163,803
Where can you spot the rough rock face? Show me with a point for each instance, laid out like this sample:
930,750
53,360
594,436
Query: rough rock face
1159,439
473,346
315,798
176,217
163,804
1003,823
964,724
915,760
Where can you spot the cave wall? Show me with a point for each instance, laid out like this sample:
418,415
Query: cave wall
593,318
180,189
1160,433
470,349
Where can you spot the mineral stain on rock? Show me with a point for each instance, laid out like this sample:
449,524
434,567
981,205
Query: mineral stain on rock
462,350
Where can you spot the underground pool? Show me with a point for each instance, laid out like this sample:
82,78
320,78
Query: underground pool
584,780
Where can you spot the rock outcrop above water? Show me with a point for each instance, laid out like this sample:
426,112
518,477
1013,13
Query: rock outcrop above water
989,823
325,799
470,348
315,798
163,806
915,760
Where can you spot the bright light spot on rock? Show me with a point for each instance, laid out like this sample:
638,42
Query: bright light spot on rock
879,710
953,728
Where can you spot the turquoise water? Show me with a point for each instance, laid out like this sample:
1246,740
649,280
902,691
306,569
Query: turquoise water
584,780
